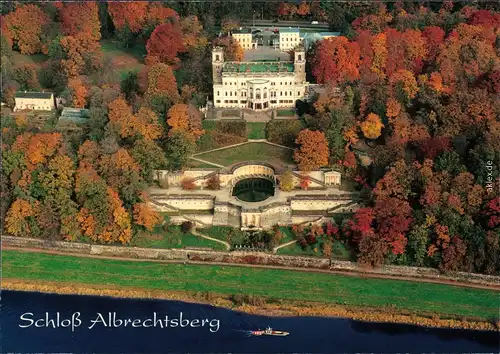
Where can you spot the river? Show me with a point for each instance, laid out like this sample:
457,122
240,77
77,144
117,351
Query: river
222,331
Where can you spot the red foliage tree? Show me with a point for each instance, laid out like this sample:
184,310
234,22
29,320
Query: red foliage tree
130,13
434,37
165,43
432,147
80,20
335,60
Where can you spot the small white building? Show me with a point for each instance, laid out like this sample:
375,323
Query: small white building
34,101
289,38
244,38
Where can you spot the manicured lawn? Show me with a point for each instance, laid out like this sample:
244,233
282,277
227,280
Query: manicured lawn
280,284
252,151
218,232
124,59
287,235
256,130
199,164
173,238
285,112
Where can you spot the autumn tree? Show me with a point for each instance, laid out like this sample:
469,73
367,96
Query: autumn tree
145,216
232,48
188,183
336,60
165,43
372,126
303,9
20,218
158,14
213,182
305,181
434,37
78,93
24,28
192,33
313,151
286,181
161,82
229,24
80,20
186,118
131,15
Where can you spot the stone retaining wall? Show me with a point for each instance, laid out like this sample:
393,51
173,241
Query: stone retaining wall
245,258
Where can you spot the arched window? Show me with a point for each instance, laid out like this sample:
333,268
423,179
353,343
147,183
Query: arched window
300,57
217,58
257,93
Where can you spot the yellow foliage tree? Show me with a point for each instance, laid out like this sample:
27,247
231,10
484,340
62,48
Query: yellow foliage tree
182,117
286,181
372,126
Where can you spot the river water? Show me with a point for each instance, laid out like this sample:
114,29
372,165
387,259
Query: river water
222,331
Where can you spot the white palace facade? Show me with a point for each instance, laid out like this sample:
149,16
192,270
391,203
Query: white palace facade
259,85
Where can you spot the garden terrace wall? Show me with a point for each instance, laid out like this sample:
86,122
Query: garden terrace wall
237,257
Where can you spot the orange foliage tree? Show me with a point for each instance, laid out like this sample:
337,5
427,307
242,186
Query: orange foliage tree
335,60
24,28
121,117
144,123
372,126
78,92
147,124
313,151
303,9
183,117
74,51
145,216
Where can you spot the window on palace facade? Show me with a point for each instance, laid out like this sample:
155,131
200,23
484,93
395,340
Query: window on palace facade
218,101
300,57
218,93
217,57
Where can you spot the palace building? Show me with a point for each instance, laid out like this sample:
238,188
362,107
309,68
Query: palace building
258,85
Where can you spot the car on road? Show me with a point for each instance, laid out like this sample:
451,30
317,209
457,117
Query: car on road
314,23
